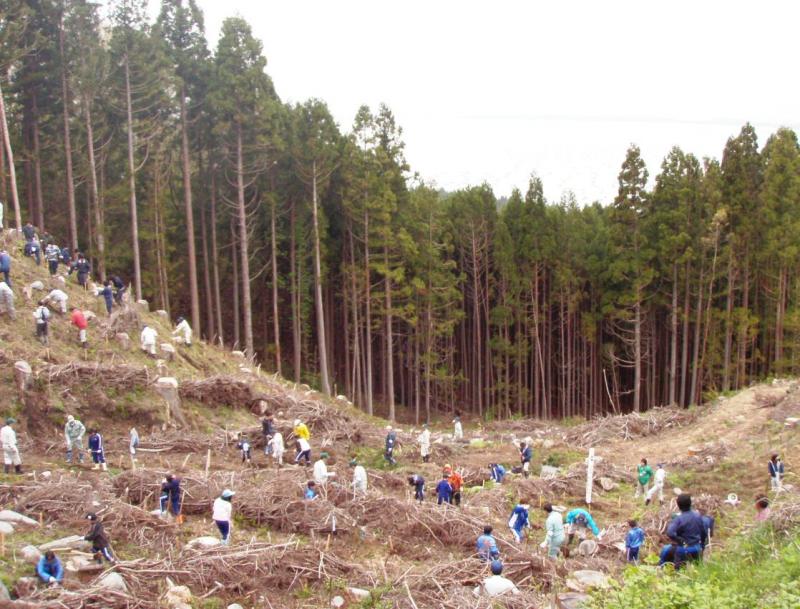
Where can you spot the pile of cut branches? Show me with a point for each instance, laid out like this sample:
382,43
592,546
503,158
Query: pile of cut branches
120,376
629,426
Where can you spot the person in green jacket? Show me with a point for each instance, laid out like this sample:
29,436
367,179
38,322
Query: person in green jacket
644,474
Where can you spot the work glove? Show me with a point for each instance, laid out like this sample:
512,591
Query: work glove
52,580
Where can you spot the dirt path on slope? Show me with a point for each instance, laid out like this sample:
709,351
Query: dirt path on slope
734,422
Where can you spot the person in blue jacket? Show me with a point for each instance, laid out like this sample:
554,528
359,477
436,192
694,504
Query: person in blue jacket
525,456
775,469
96,448
391,440
687,533
497,471
444,490
418,482
49,569
5,266
171,495
311,491
487,545
108,295
578,521
519,520
633,541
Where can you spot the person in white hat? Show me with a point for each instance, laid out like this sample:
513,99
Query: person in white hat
222,514
8,438
73,432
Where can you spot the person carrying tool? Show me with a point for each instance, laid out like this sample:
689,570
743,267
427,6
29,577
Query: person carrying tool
73,432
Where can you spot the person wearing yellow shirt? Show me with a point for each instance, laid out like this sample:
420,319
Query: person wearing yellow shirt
300,430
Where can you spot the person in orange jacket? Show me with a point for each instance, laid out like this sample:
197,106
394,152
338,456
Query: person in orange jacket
79,321
456,481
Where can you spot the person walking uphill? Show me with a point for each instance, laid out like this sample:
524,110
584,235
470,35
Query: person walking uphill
7,300
97,535
222,513
108,296
83,268
183,331
97,450
42,317
147,340
73,432
8,438
5,266
78,320
658,485
52,254
644,473
525,456
444,492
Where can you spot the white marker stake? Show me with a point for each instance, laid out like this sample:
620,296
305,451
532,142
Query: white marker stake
589,476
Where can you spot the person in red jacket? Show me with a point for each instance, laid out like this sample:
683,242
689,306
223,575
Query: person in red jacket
79,321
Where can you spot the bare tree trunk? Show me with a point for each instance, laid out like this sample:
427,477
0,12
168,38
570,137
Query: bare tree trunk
637,351
137,263
194,294
236,313
37,163
275,319
215,256
73,220
294,270
320,310
673,351
210,331
780,309
247,307
95,196
389,343
685,345
726,366
10,158
367,316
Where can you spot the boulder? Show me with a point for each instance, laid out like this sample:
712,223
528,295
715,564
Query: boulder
6,528
548,472
46,474
204,542
358,594
23,374
585,579
235,606
143,306
37,285
587,548
162,313
168,351
82,564
112,581
607,484
572,600
25,586
73,542
17,518
336,602
547,443
123,340
178,597
30,554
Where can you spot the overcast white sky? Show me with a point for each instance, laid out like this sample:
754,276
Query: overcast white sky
492,91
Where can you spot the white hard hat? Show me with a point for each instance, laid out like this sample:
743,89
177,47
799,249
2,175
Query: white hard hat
70,418
296,422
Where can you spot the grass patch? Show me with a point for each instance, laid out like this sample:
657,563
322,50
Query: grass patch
759,570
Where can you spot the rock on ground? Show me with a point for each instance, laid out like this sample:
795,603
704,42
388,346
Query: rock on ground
73,542
572,600
584,579
113,581
6,528
30,554
17,518
587,547
204,542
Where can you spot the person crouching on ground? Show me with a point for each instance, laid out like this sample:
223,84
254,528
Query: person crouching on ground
496,585
418,482
486,545
687,533
49,569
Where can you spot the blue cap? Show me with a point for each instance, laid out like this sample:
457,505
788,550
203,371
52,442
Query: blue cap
497,567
